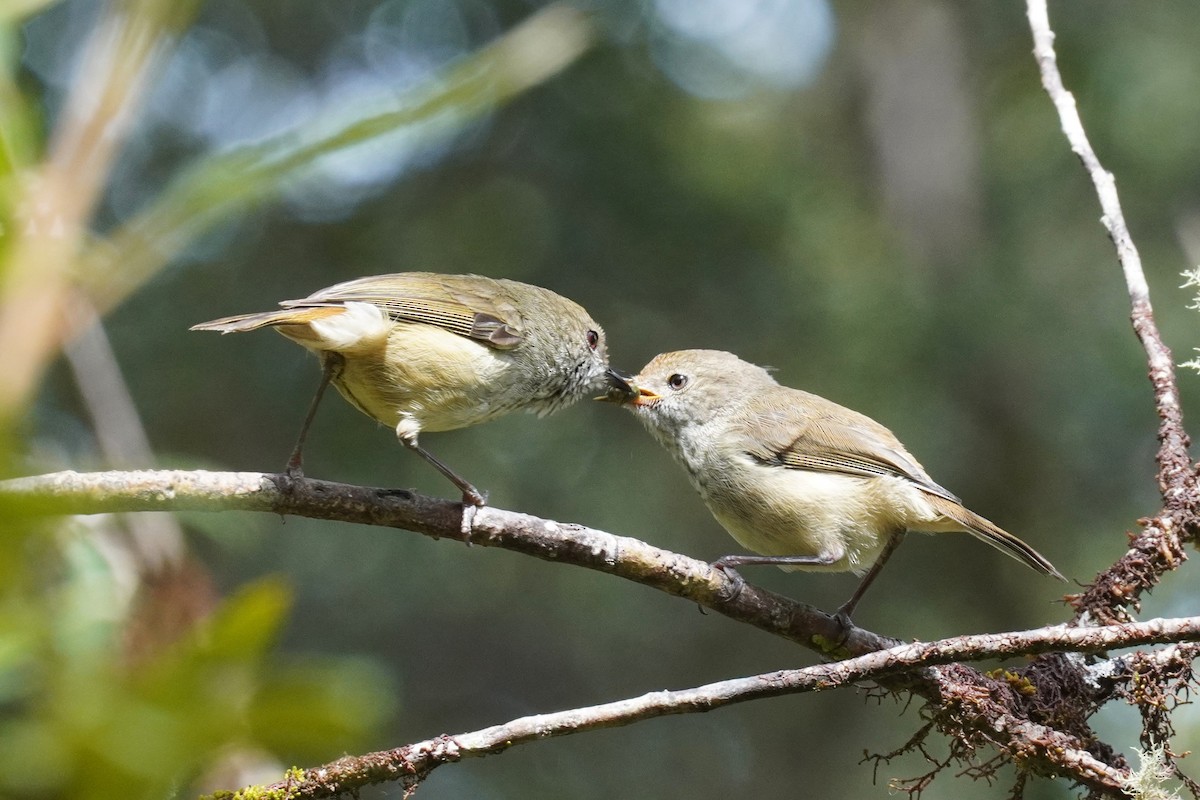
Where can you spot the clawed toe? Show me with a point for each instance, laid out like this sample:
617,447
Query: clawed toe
736,582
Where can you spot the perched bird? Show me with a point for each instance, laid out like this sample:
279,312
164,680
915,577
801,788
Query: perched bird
419,351
792,476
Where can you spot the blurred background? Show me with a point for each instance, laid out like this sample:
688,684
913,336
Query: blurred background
875,199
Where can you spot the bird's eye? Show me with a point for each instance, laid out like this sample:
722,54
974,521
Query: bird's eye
677,381
593,339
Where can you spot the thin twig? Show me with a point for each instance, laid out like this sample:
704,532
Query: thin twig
155,540
1158,548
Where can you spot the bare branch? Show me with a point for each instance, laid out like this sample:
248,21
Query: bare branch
167,490
155,540
1158,549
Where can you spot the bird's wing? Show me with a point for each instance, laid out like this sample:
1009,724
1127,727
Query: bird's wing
829,438
469,305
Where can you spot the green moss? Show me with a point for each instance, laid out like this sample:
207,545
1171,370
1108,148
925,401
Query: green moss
1019,683
834,648
292,777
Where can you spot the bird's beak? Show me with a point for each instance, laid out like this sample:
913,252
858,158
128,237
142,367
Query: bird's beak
620,390
634,396
644,397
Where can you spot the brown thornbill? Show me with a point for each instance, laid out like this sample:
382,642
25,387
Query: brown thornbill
800,480
421,351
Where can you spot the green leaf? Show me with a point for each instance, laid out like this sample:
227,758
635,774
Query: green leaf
310,709
248,622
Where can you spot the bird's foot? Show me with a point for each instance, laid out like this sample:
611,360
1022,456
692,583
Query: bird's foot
736,583
844,623
472,501
290,478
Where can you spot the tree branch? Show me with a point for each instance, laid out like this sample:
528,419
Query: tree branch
632,559
412,763
1159,548
994,710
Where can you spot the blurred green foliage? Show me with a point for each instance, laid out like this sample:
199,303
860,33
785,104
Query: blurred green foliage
874,199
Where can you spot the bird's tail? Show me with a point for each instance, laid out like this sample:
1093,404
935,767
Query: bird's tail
241,323
996,536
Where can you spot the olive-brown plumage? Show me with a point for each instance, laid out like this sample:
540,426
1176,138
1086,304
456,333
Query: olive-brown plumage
421,351
796,478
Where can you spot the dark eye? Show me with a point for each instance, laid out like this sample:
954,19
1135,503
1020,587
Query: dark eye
677,381
593,339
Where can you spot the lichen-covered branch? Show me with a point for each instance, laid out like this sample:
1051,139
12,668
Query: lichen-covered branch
411,764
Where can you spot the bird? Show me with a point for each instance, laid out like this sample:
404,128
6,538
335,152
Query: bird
804,483
424,351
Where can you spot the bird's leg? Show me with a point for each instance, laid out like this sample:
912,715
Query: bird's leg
470,495
728,564
472,498
331,366
847,608
822,560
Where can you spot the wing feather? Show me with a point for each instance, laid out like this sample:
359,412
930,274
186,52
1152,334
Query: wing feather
468,305
835,439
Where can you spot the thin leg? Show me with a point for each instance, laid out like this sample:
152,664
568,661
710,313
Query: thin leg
728,564
331,366
823,560
847,608
471,495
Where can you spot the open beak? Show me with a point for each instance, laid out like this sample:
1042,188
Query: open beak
620,390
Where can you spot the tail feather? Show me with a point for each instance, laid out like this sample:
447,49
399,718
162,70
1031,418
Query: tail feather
240,323
997,537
